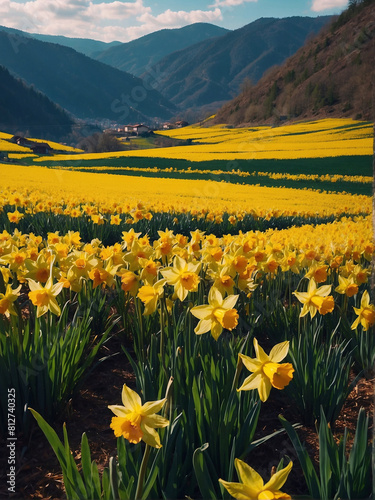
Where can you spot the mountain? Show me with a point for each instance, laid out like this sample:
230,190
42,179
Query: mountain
213,71
137,56
24,110
87,46
332,75
86,88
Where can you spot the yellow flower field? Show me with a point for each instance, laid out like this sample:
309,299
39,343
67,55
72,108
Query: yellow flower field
54,186
5,145
363,179
318,139
9,146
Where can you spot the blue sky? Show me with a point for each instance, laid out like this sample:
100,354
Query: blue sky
126,20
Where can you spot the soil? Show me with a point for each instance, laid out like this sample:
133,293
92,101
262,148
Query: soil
38,471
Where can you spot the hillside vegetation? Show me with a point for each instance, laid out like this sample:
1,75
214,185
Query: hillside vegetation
83,86
213,71
331,75
139,55
24,110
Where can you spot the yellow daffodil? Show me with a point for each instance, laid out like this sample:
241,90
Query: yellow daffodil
360,274
15,216
138,422
218,314
7,299
366,313
129,282
252,487
318,272
45,297
40,269
267,370
102,276
183,276
129,236
316,299
347,286
150,269
150,294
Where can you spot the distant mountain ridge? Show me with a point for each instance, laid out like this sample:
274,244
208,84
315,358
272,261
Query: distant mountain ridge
86,46
86,88
213,70
24,110
332,75
138,55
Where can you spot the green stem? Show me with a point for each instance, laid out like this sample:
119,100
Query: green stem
163,313
142,472
237,374
140,323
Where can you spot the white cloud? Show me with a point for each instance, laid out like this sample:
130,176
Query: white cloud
319,5
170,18
230,3
74,18
117,10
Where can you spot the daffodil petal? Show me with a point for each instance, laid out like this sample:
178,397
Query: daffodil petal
155,421
248,476
216,330
215,298
150,436
41,310
365,300
130,398
323,291
201,312
170,275
279,351
33,285
203,326
153,407
264,389
305,310
252,364
301,296
253,381
312,286
259,352
57,287
279,478
237,490
179,263
119,411
181,292
355,324
230,302
54,306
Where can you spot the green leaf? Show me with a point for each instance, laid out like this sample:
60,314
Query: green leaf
311,477
202,474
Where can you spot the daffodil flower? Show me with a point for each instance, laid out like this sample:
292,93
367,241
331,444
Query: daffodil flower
45,297
316,299
218,314
252,487
150,294
7,299
267,370
366,313
347,286
183,276
138,422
